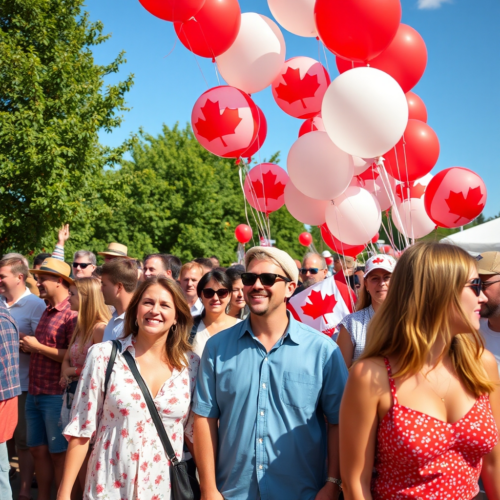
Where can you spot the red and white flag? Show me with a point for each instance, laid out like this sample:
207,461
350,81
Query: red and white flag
322,306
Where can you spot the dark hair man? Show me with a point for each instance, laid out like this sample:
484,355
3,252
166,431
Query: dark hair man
161,263
207,264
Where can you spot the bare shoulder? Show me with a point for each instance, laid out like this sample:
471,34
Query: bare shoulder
370,373
490,364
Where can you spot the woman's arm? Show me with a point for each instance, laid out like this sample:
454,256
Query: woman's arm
358,424
75,456
65,370
346,347
98,333
491,462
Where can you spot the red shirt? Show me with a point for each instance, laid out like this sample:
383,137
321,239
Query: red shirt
8,418
54,330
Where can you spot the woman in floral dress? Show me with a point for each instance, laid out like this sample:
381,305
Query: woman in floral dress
128,461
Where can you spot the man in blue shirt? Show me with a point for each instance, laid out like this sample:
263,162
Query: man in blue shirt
263,391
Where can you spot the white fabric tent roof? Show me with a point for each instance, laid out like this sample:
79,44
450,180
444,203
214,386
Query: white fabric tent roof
478,239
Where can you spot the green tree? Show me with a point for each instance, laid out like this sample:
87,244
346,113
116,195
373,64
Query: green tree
53,104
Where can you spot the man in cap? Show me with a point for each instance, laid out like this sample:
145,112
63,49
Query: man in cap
115,250
489,272
281,379
47,348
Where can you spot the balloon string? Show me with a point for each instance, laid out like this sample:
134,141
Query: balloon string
195,57
326,59
408,188
172,49
259,226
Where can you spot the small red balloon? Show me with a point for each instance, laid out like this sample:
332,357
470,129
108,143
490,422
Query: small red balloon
416,107
261,136
338,246
305,239
375,238
357,29
243,233
173,10
312,125
213,30
329,261
454,197
415,154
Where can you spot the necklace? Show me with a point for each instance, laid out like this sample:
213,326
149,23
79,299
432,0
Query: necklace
442,398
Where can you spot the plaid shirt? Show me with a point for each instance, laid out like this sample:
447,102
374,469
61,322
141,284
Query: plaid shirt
54,330
10,386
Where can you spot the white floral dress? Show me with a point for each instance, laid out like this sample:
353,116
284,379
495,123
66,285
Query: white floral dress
128,461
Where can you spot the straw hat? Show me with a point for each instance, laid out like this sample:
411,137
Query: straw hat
55,267
116,250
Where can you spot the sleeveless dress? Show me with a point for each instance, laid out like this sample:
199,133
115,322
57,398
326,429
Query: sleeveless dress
422,457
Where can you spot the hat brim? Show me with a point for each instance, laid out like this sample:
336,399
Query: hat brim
485,272
57,275
111,254
385,268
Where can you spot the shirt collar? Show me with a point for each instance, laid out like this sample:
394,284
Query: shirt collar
61,306
127,343
292,330
25,294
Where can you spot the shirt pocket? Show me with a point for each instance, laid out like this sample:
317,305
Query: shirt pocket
298,390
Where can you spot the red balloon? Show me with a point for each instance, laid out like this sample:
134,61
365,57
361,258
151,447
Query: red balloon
261,136
416,107
329,261
243,233
213,30
375,238
173,10
419,146
264,187
405,59
339,247
305,239
357,29
311,125
454,197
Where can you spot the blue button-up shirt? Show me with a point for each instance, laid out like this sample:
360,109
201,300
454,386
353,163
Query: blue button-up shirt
271,409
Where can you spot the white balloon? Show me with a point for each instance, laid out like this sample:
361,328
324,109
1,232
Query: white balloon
365,112
304,209
361,164
256,56
318,168
296,16
354,217
411,219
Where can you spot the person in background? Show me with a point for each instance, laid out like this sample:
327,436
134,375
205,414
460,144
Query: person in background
84,264
128,459
264,389
489,272
39,259
313,270
118,284
114,251
421,408
215,261
191,273
214,289
10,389
26,309
327,255
353,328
155,265
47,348
237,305
206,264
140,270
347,273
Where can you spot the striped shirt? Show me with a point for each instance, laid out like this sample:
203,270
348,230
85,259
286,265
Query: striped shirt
10,386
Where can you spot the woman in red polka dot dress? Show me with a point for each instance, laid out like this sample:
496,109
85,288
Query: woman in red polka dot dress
421,408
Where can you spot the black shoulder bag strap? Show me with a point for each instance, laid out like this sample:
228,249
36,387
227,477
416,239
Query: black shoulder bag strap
112,358
179,479
194,330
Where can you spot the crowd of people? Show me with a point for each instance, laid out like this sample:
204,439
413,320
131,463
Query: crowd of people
403,402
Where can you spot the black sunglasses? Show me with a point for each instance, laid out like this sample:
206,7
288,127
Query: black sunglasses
267,279
312,270
486,284
209,293
476,285
82,265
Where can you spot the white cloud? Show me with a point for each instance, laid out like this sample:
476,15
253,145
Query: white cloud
431,4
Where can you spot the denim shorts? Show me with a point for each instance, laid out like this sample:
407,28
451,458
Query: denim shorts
43,422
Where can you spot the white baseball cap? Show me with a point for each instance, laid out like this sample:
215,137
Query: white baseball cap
380,261
326,254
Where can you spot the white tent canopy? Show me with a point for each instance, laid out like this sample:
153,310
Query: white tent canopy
478,239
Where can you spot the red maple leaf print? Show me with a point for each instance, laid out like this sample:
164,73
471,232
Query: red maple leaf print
466,208
270,190
378,260
415,190
296,88
217,124
329,332
370,174
319,306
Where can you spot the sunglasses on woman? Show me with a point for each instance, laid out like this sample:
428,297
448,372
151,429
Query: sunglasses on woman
267,279
476,285
209,293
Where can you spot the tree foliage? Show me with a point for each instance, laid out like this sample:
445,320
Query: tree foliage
53,104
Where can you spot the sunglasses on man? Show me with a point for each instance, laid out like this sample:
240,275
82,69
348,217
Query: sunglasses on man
267,279
82,265
312,270
209,293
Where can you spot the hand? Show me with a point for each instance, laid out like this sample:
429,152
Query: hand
63,235
63,382
29,344
329,492
68,372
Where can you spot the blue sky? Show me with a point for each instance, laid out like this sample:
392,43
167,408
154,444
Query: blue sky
460,86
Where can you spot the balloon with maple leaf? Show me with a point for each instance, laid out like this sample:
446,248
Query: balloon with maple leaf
312,125
260,139
380,186
300,86
225,121
264,187
337,245
455,197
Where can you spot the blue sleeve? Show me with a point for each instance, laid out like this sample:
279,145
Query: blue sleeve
334,379
37,312
205,398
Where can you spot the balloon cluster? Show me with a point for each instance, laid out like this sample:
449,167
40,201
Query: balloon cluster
364,147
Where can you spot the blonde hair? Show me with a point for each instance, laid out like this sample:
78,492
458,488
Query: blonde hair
92,310
191,265
424,295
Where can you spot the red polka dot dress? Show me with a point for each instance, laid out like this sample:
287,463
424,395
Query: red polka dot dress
421,457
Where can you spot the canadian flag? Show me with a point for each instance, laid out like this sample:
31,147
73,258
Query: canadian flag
322,306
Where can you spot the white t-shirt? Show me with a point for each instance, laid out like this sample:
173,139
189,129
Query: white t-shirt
202,337
491,340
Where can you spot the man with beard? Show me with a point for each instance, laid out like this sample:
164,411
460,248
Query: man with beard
264,390
489,272
313,270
